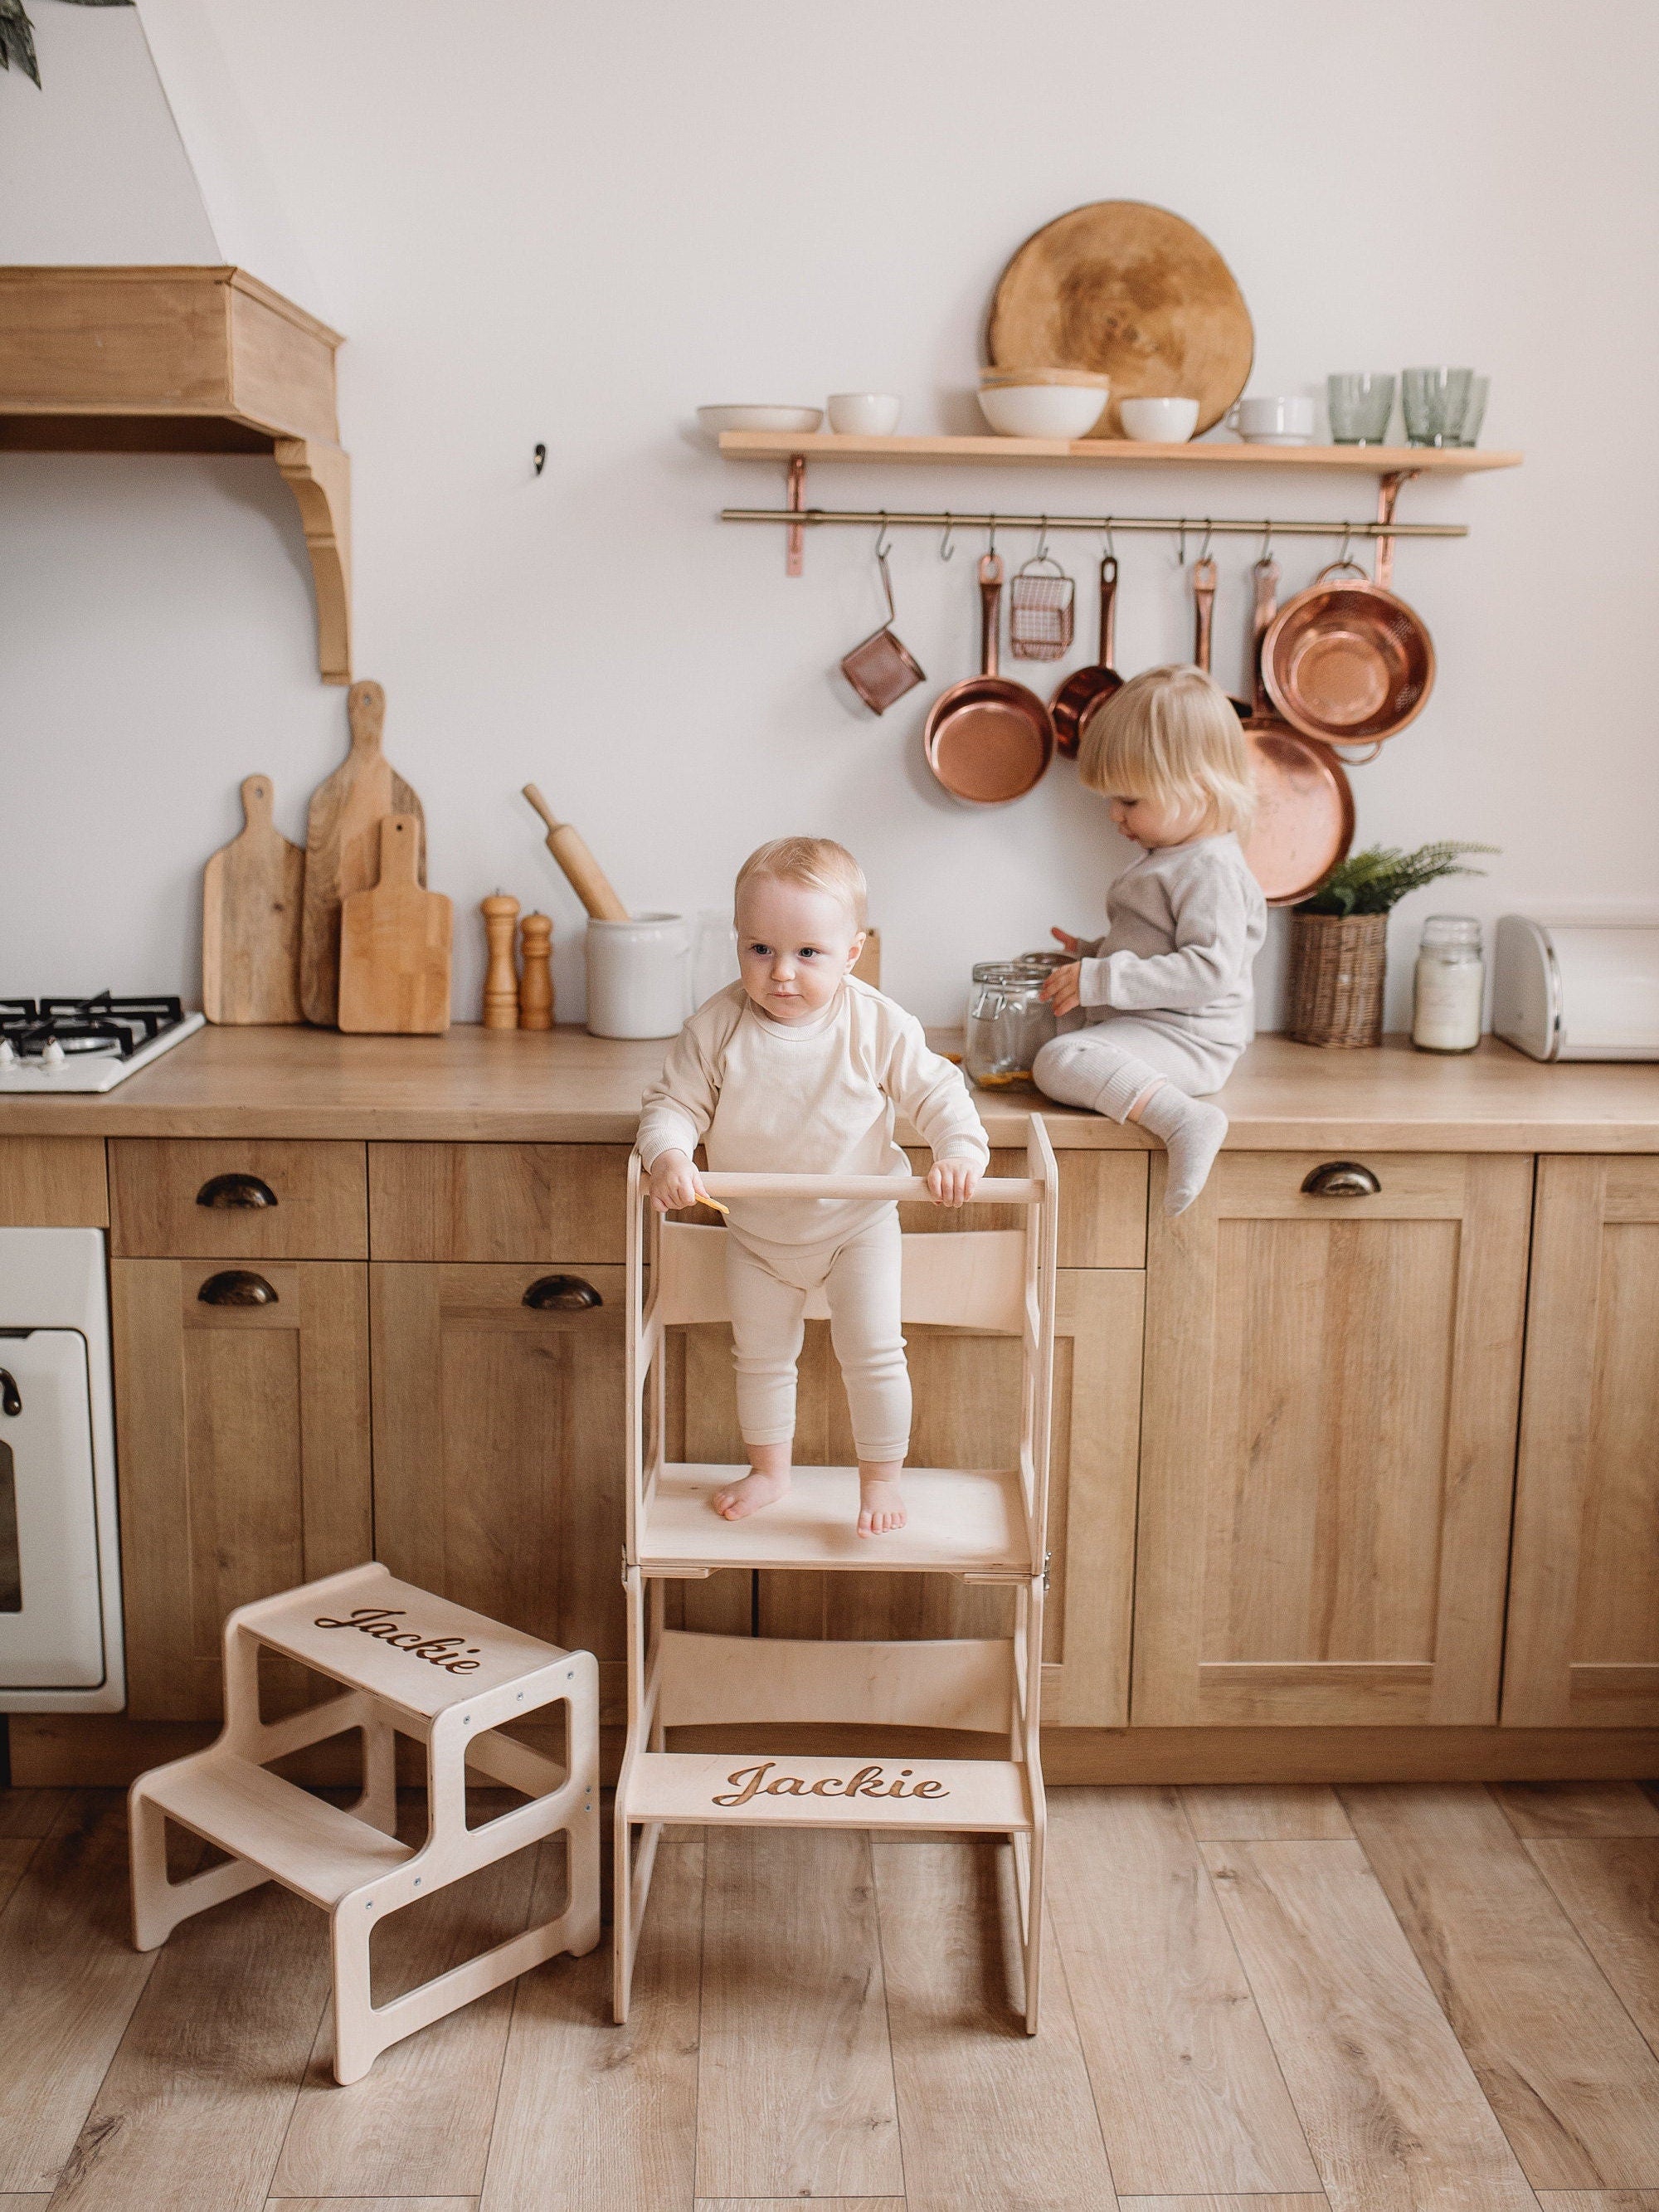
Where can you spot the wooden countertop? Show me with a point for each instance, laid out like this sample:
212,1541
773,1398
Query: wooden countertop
566,1087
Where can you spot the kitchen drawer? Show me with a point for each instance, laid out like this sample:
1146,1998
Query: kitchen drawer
52,1182
500,1203
1102,1205
254,1198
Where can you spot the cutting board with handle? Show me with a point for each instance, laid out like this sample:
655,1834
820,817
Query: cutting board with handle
342,847
395,943
252,890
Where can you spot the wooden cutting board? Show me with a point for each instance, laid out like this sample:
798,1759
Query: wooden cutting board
1134,292
394,943
251,892
342,848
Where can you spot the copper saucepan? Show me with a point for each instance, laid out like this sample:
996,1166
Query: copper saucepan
988,739
1086,689
1347,662
1303,822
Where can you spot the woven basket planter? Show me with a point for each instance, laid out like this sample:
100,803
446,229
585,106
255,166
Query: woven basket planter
1338,965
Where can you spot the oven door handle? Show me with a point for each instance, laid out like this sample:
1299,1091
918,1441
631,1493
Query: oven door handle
12,1397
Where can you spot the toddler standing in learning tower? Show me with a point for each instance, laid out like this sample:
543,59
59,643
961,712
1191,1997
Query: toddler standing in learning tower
1168,990
797,1069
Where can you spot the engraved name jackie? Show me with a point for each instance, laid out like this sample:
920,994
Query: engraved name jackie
868,1781
452,1653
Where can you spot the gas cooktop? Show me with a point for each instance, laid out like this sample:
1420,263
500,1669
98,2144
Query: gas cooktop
85,1044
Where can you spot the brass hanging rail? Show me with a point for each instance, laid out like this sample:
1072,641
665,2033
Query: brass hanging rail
1173,524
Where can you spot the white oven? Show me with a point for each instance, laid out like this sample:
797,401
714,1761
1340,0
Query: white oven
60,1578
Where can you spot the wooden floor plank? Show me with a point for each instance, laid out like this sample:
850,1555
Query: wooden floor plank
1190,2097
30,1812
950,1957
1598,2200
1577,1808
418,2124
793,2204
1393,2113
1261,2203
16,1852
795,2076
25,2203
193,2112
1282,1813
361,2204
1574,2086
70,1979
591,2117
1610,1891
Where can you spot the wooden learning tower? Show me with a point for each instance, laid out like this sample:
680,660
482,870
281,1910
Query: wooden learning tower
983,1524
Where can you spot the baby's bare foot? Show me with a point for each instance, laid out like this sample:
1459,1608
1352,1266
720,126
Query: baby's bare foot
881,1506
750,1495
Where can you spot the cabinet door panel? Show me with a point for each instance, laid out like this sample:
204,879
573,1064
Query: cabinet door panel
1583,1637
243,1449
497,1204
498,1445
967,1400
1330,1420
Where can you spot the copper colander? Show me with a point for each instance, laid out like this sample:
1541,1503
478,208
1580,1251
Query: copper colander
1347,662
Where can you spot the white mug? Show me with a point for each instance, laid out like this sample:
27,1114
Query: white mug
1158,421
1284,421
864,413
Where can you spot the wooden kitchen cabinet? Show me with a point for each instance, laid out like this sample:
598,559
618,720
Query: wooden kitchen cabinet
967,1414
52,1182
259,1198
498,1443
1583,1632
1331,1394
498,1202
243,1447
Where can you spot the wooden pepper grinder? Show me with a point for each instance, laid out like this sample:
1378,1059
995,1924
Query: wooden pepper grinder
500,994
536,992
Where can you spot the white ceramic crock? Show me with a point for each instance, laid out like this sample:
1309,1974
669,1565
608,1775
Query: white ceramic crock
638,976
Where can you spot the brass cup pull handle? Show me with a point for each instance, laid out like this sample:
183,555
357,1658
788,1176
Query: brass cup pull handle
12,1397
1341,1179
236,1286
237,1190
561,1294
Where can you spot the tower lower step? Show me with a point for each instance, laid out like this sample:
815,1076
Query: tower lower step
780,1791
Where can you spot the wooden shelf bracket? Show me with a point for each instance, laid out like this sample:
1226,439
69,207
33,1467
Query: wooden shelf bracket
319,477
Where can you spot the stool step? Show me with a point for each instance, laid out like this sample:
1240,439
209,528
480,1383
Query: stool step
304,1842
416,1653
960,1519
713,1787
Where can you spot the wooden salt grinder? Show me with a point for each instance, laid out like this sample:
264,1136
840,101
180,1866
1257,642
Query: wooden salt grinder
500,994
536,992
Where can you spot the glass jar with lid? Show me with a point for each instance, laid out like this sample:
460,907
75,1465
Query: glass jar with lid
1008,1023
1449,985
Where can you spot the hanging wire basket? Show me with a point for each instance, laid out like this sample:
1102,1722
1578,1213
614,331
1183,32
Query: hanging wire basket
1041,611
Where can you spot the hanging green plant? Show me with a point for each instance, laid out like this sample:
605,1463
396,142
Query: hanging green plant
1376,880
17,32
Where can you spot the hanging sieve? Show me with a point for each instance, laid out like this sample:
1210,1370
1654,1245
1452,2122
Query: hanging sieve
881,670
1040,608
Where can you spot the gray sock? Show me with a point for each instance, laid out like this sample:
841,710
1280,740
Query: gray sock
1192,1133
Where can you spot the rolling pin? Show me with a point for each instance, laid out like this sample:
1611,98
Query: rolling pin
586,877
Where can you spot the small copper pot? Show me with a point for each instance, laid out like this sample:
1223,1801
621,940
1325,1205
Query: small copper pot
1347,662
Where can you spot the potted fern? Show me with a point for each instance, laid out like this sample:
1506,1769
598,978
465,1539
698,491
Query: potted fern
1340,940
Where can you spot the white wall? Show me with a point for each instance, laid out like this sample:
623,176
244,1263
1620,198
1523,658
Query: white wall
540,221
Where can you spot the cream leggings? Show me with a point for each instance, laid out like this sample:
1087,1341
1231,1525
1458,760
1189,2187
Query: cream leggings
768,1298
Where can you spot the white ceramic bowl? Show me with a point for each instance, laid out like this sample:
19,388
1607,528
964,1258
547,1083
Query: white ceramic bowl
1158,421
864,413
716,419
1042,411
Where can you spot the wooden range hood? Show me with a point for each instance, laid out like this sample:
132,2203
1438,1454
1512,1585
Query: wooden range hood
195,360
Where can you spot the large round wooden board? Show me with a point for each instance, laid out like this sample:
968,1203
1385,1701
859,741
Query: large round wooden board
1135,291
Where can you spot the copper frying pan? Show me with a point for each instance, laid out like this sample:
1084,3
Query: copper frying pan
1204,606
1303,822
1084,689
1347,662
988,739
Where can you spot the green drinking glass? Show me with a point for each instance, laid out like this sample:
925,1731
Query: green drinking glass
1360,406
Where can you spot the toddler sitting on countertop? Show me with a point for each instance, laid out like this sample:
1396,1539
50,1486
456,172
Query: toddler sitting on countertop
797,1069
1168,990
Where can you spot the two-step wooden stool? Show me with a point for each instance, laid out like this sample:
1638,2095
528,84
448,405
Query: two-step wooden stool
984,1524
406,1661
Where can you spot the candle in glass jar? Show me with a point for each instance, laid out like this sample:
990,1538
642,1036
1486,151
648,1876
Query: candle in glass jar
1451,984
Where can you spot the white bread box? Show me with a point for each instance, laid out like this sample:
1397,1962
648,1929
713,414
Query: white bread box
1576,990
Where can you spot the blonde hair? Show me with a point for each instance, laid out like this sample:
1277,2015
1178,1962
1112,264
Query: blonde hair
1171,733
818,863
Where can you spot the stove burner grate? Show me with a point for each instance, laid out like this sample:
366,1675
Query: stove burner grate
102,1024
